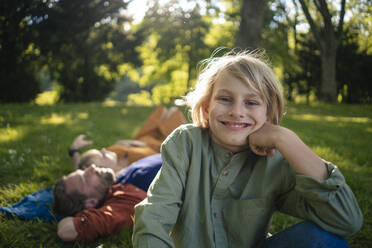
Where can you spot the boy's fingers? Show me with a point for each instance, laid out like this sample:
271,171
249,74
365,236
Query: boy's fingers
270,152
263,151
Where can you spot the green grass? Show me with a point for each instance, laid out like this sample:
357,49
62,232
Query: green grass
34,142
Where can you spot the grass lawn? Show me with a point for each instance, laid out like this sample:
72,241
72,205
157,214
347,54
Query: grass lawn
34,142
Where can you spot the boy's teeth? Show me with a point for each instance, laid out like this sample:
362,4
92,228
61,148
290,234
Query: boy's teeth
237,124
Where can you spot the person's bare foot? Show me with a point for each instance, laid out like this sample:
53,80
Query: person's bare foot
170,112
165,114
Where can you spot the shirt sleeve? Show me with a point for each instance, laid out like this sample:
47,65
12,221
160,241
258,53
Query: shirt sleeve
112,217
330,203
156,215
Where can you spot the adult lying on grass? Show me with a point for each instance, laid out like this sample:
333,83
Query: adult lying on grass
91,188
124,152
101,202
117,157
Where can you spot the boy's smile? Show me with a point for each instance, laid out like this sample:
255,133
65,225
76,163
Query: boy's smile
235,125
234,112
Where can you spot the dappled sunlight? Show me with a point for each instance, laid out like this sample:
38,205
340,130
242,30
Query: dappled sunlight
328,154
10,134
110,103
83,115
56,119
329,118
47,98
124,111
104,71
13,191
140,99
43,163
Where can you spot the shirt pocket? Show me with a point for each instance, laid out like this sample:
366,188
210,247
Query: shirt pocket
246,221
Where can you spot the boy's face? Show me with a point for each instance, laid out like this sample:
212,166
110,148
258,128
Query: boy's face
234,112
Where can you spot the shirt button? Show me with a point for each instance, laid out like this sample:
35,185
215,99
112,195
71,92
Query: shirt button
225,173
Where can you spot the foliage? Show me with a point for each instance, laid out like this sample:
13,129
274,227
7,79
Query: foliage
353,75
142,98
361,20
84,59
123,89
17,52
308,78
326,25
91,49
173,48
47,98
353,72
80,44
34,141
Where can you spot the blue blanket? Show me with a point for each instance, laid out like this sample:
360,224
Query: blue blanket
39,204
34,206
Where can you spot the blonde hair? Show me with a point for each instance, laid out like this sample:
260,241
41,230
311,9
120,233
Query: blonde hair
90,157
250,67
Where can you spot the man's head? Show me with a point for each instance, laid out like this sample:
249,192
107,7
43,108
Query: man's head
101,158
82,189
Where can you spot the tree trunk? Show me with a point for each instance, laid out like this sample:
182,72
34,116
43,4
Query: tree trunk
328,37
328,89
251,23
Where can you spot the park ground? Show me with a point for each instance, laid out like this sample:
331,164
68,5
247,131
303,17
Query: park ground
34,141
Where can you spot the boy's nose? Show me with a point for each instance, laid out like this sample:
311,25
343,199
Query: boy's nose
237,110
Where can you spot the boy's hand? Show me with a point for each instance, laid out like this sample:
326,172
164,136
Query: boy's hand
301,158
80,142
263,141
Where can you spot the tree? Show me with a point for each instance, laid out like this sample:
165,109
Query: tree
280,45
307,79
175,44
84,57
18,54
328,36
251,24
80,43
353,69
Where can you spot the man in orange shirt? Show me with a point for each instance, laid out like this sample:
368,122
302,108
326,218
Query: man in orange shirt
97,203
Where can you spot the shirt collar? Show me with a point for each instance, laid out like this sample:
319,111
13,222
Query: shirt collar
225,155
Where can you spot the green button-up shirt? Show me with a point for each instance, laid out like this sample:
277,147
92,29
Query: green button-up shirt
206,196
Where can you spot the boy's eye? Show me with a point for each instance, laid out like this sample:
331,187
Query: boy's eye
224,99
249,102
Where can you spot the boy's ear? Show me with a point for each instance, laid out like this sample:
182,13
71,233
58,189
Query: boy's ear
91,202
205,110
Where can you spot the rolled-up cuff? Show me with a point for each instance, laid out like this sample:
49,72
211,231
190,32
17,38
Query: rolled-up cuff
315,189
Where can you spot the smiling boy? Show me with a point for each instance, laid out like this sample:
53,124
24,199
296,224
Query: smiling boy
224,176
